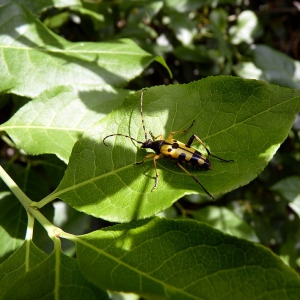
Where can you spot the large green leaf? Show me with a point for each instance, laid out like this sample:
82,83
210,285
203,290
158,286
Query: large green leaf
54,120
238,119
33,58
183,259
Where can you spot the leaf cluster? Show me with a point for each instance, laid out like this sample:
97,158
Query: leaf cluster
68,74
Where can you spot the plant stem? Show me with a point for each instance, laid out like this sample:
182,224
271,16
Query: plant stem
52,230
25,201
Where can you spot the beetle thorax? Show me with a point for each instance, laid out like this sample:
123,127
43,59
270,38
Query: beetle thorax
154,145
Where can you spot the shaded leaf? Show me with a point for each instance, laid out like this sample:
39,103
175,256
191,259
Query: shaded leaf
225,220
289,188
12,224
184,28
57,277
21,261
277,67
167,259
272,66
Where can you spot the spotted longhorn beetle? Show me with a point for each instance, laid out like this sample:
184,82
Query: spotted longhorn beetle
173,149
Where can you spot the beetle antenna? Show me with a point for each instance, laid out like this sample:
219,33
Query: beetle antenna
119,134
142,115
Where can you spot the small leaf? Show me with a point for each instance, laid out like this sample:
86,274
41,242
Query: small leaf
183,259
55,120
243,120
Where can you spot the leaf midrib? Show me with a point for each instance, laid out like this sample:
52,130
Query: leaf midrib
66,51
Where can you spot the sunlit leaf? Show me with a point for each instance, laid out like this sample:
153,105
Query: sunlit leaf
33,58
238,119
55,120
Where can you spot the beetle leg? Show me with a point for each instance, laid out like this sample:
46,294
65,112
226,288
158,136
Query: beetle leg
146,157
170,136
196,179
194,136
155,157
159,137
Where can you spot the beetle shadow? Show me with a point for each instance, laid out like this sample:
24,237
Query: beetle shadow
107,183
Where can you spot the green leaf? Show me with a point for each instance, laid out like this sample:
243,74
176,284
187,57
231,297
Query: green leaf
225,220
277,67
55,120
33,58
13,224
243,120
184,28
57,277
21,261
270,65
198,54
183,259
218,21
289,188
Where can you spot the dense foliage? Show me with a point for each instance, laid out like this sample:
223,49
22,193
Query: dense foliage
72,73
